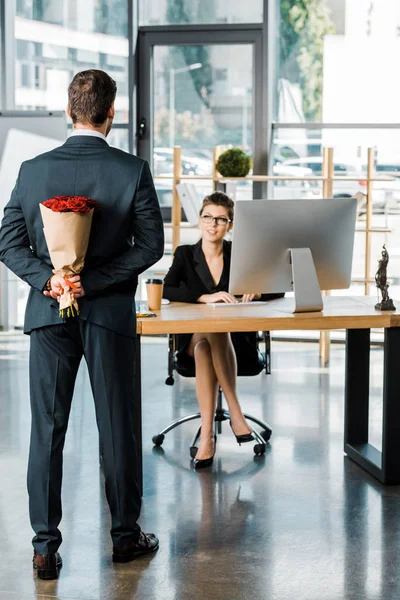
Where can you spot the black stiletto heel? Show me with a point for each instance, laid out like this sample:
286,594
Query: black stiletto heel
201,463
242,439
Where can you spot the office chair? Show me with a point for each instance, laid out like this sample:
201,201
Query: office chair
187,369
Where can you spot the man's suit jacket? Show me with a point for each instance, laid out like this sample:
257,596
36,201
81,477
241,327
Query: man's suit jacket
189,278
126,236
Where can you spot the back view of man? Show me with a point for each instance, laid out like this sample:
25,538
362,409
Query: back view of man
126,238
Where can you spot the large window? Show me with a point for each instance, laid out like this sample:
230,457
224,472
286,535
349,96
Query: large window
335,58
165,12
92,16
335,65
57,38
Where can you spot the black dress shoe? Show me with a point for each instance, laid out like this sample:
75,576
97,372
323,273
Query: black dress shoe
202,463
146,543
47,565
242,439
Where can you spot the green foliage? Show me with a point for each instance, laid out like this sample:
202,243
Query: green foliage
234,163
304,23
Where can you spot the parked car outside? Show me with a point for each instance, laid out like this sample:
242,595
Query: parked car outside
163,160
292,189
384,193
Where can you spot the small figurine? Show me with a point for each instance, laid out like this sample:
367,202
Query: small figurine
382,284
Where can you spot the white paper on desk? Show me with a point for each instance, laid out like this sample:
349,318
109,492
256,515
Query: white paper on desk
253,303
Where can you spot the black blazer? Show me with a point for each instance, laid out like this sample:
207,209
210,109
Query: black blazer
126,236
189,278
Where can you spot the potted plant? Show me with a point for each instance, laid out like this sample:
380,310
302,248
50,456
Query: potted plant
234,163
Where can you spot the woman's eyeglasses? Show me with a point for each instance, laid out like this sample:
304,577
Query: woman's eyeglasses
218,220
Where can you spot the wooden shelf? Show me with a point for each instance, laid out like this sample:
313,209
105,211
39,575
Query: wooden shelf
374,230
266,178
182,226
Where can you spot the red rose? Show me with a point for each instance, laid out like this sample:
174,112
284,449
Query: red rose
78,204
92,203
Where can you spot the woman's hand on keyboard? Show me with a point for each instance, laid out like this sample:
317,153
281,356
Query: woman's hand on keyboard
250,297
218,297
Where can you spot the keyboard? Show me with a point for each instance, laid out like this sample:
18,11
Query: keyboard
254,303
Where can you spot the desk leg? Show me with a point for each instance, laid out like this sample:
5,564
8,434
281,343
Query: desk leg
137,412
385,465
391,408
357,386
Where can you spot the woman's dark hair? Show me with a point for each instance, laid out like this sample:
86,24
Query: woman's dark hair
219,199
90,96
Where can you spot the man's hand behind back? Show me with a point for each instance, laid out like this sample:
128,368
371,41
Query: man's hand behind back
60,284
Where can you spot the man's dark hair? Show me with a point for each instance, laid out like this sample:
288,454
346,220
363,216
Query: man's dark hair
90,96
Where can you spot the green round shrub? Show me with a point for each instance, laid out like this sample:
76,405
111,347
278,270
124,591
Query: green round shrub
233,163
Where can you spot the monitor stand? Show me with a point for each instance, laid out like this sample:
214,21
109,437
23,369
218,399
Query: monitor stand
307,294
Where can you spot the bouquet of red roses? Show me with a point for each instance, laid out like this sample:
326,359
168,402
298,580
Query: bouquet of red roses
66,224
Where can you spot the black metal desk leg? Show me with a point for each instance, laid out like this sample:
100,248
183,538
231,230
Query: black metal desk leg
137,412
385,465
356,443
391,407
357,386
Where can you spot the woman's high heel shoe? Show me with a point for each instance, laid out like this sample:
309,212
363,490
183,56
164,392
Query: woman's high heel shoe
201,463
242,439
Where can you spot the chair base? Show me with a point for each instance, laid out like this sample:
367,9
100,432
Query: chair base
221,414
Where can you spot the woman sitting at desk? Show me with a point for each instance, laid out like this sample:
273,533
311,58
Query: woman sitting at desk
200,273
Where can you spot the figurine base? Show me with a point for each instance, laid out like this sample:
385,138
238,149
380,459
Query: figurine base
385,305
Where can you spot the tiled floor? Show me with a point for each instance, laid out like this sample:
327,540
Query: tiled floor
302,523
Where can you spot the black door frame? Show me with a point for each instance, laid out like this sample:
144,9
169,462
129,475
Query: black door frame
148,37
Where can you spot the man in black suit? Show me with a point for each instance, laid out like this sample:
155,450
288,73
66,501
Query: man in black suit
126,238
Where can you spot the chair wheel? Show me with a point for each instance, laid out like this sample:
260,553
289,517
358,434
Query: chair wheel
158,439
266,434
193,451
170,380
259,449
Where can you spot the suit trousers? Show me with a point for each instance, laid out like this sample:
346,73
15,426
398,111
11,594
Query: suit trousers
55,355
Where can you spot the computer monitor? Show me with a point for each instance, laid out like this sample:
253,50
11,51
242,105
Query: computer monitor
293,245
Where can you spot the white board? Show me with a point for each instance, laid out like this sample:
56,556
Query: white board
23,135
18,147
49,124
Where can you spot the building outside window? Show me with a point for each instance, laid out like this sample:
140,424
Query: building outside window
57,38
194,12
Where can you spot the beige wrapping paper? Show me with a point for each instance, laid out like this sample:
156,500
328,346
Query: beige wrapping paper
67,237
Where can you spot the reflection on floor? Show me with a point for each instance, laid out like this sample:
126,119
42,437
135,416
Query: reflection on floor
302,523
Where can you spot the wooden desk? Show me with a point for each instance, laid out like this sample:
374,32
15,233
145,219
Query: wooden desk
358,316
